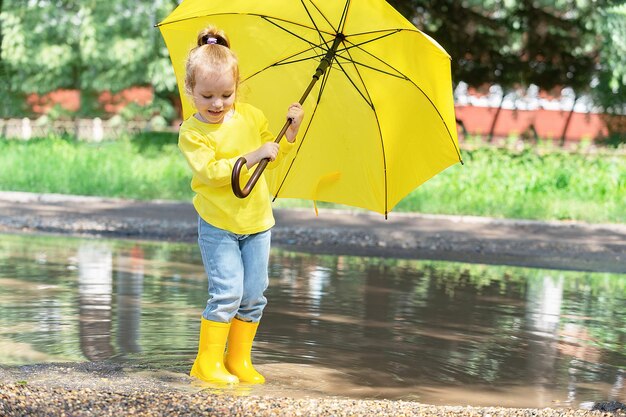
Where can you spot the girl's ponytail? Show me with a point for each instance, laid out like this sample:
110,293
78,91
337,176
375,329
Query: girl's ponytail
209,55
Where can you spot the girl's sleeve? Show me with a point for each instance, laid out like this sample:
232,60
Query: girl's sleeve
200,155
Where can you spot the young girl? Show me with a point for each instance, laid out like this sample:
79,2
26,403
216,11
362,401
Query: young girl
233,233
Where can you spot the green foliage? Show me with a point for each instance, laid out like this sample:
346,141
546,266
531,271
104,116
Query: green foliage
40,43
83,44
560,45
158,106
153,143
610,91
12,103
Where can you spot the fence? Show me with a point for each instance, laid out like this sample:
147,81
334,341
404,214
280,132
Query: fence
92,130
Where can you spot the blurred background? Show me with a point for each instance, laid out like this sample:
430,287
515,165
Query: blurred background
536,69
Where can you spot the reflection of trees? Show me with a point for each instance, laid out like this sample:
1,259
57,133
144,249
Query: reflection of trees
95,285
130,273
544,297
377,330
593,334
395,322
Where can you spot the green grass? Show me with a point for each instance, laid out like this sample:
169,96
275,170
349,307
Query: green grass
493,182
501,183
130,168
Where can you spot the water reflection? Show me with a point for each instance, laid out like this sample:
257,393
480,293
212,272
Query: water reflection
130,274
95,288
543,308
361,327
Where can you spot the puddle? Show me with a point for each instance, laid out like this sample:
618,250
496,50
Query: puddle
91,312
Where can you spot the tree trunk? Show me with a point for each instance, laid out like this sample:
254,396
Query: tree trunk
460,123
533,132
568,120
495,119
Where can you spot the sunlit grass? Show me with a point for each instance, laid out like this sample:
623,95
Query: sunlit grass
125,168
493,182
501,183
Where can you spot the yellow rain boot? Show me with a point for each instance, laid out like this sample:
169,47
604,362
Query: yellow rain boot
238,361
209,364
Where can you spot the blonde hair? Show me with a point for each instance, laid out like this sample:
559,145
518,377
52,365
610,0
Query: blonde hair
212,53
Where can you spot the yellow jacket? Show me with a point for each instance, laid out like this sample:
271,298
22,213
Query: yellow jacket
211,151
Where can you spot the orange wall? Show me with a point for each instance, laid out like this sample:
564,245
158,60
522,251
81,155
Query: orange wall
110,102
477,120
548,123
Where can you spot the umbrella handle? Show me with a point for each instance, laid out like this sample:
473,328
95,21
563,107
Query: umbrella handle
234,177
237,190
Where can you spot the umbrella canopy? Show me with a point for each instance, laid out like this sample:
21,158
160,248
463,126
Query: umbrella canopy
379,122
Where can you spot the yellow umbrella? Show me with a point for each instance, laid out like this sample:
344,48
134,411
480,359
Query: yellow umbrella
377,93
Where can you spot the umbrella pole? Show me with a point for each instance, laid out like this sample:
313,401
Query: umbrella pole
319,72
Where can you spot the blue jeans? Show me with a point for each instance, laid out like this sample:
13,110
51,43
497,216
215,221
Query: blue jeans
237,269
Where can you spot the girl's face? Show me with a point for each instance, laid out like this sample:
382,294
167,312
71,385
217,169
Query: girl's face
214,94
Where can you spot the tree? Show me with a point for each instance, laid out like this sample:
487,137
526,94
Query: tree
85,44
559,46
610,89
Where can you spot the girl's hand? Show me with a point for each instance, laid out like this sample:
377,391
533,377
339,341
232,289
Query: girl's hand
296,114
267,150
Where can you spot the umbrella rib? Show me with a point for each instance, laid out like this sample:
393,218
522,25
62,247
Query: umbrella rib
262,16
344,17
369,101
368,98
399,75
319,32
271,21
403,76
304,136
286,61
321,14
358,45
387,31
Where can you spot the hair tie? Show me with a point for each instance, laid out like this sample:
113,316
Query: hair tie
210,40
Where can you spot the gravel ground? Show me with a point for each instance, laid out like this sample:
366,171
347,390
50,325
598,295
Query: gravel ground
561,245
108,389
24,400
